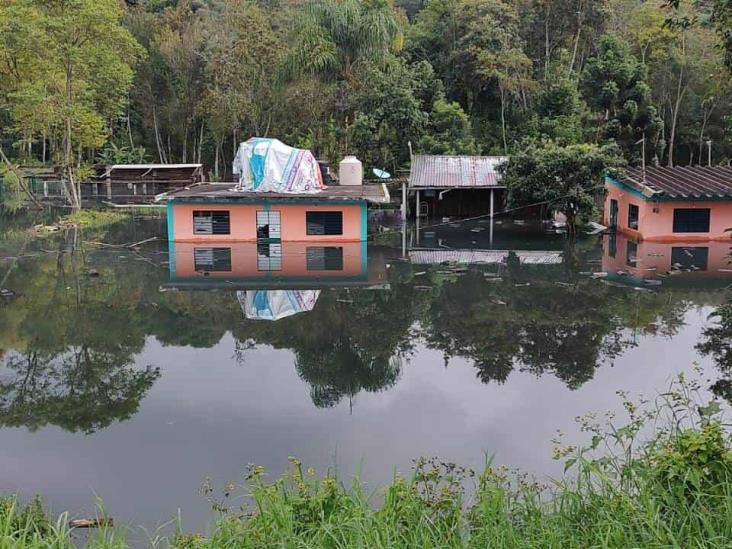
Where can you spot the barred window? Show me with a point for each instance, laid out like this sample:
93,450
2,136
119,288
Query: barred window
324,223
691,220
211,222
324,259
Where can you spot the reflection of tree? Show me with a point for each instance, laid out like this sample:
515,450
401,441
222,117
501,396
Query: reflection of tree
350,341
541,324
716,342
342,370
74,338
79,389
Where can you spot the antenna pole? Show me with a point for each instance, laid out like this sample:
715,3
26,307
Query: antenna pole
709,151
643,155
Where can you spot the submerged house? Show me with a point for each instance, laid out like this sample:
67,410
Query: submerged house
461,186
280,197
682,204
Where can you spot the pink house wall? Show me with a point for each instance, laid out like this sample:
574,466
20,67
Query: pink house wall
244,227
656,218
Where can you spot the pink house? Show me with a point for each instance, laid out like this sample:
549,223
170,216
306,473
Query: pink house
683,204
214,213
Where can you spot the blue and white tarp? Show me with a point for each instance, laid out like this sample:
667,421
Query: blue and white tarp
276,304
268,165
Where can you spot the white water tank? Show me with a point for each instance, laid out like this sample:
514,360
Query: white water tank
350,171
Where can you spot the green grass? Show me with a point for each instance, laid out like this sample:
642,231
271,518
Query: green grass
675,490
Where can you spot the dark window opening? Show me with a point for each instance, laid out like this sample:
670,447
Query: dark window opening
211,222
324,259
613,214
690,258
691,220
631,257
212,260
633,216
324,223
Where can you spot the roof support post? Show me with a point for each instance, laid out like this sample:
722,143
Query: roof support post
490,240
416,214
404,200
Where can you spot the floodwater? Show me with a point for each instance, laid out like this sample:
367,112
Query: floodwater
133,374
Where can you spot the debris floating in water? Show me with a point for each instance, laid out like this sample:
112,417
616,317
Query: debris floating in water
102,522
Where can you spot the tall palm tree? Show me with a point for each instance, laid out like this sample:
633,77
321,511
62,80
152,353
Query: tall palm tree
339,34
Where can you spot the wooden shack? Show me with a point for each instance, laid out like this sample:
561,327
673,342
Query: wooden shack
136,183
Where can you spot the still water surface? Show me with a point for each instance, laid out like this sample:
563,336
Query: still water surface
134,374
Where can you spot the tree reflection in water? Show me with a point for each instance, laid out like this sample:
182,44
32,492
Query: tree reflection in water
72,340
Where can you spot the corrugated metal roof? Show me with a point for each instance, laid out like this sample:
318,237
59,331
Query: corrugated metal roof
688,182
446,172
483,257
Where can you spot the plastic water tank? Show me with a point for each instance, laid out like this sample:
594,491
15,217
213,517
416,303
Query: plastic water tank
350,171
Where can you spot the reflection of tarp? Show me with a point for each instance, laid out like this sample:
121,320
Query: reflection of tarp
276,304
268,165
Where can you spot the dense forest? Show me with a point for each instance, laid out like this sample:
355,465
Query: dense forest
86,81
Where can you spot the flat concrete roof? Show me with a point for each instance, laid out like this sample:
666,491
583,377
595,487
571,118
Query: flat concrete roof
228,192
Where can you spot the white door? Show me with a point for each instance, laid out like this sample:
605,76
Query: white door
268,225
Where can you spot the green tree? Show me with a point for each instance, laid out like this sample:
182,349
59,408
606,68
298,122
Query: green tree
614,86
449,131
81,67
567,179
390,112
337,35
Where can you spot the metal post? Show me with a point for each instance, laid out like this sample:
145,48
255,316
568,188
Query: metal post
491,227
404,200
404,238
709,144
416,210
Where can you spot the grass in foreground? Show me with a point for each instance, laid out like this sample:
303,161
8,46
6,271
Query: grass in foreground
673,491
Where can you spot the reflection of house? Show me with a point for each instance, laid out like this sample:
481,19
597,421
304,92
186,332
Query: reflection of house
646,260
483,257
454,185
684,204
223,213
268,265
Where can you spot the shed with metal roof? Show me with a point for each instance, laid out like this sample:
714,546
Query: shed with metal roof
471,180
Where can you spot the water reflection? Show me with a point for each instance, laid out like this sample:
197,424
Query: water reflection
666,263
268,265
276,304
96,336
350,316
